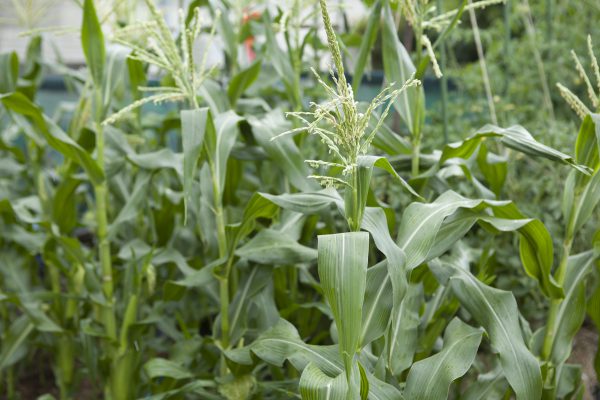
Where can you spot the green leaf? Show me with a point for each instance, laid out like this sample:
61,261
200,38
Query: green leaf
422,238
9,72
316,385
55,136
378,304
282,342
14,342
431,378
571,312
403,333
218,143
490,386
305,203
342,262
588,201
133,204
497,312
194,124
275,248
254,281
366,45
280,61
258,207
92,41
399,68
587,146
162,368
242,81
516,137
283,151
384,164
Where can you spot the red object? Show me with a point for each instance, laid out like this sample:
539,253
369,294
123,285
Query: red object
249,42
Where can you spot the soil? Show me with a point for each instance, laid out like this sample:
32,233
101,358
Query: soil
584,351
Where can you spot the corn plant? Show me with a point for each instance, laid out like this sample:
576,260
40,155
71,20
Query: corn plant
216,235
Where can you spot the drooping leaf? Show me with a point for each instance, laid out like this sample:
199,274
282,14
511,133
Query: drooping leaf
275,248
497,312
55,136
316,385
516,137
163,368
431,378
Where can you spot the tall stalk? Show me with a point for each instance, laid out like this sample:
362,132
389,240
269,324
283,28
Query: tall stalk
483,65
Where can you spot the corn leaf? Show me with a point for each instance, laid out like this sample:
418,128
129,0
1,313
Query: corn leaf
431,378
342,262
497,312
92,41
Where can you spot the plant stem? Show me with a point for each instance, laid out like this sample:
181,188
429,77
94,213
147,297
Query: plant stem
483,65
101,192
444,82
416,149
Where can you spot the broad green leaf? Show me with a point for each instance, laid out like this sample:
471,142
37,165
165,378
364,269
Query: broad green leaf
161,159
132,206
162,368
588,201
494,169
431,378
497,312
366,44
380,390
421,223
375,223
218,143
282,342
283,151
378,303
55,136
114,72
9,72
14,342
64,211
342,262
194,124
490,386
587,146
242,81
254,281
388,141
571,312
403,332
306,203
570,383
316,385
258,207
275,248
398,69
516,137
92,41
422,238
384,164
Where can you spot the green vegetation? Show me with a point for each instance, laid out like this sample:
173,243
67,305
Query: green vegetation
269,236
